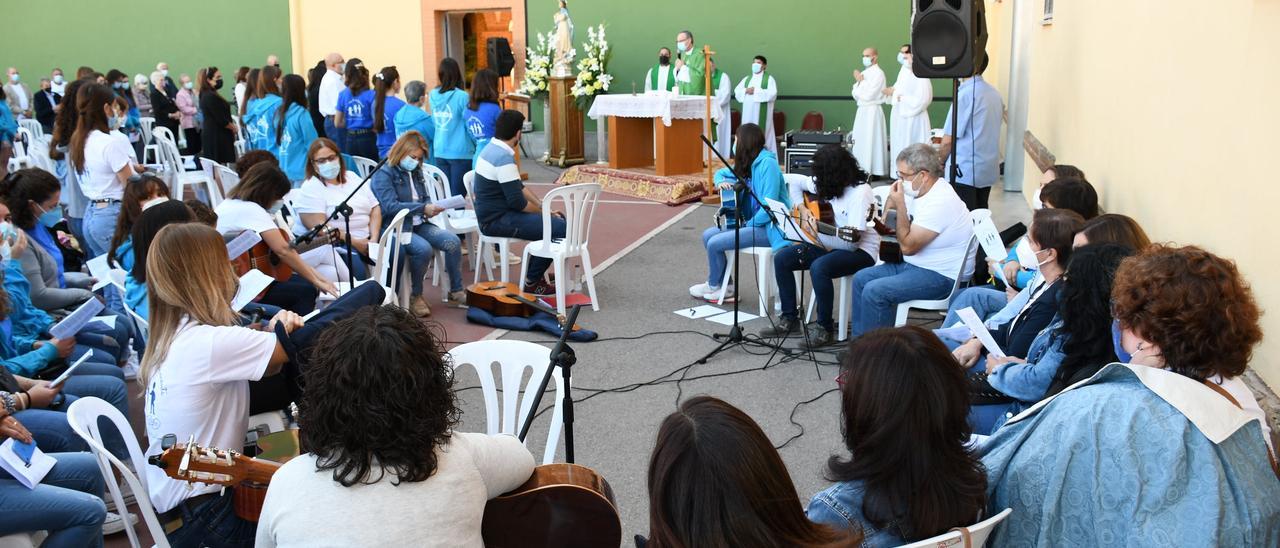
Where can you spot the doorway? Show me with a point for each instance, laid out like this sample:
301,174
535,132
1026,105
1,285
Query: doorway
467,34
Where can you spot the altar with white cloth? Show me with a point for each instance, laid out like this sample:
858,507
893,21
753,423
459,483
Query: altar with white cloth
635,120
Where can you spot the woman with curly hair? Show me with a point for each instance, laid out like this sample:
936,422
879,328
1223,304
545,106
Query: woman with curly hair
838,180
383,466
1166,446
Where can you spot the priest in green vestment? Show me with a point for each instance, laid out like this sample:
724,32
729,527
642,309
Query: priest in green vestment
691,67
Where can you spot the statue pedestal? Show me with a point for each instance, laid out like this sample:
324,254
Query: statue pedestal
565,133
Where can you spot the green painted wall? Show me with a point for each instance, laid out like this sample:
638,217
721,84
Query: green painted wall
813,46
135,35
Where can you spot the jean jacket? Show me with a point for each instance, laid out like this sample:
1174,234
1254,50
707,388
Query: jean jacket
840,506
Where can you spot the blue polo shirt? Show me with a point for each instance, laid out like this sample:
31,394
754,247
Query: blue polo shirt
357,110
390,107
978,141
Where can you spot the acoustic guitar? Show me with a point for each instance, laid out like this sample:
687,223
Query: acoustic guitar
261,257
824,220
506,299
561,505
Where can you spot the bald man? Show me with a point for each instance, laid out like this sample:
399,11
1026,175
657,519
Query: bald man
17,95
273,60
330,87
870,141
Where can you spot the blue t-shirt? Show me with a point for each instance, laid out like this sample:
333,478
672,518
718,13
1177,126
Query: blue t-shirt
260,121
480,123
447,110
298,134
357,110
390,107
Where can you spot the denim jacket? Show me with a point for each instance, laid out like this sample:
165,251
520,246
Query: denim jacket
390,185
840,506
1028,382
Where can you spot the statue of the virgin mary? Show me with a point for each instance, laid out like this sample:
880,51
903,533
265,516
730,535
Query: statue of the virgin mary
562,41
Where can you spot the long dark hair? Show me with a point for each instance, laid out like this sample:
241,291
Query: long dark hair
715,480
314,77
484,88
137,190
905,409
25,187
208,80
383,83
834,169
749,142
449,75
263,184
1085,310
148,225
90,102
250,90
379,398
267,81
294,92
356,77
67,119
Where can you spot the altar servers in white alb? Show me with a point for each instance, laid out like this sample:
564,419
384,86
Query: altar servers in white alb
720,101
757,91
909,116
870,145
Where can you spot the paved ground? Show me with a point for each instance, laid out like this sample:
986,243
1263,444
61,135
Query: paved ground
629,380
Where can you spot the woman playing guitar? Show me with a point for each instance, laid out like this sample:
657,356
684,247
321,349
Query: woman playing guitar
251,205
841,194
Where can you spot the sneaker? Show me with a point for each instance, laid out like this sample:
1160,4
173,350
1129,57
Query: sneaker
713,296
465,251
817,336
540,288
699,290
512,259
787,325
456,299
419,307
115,522
126,494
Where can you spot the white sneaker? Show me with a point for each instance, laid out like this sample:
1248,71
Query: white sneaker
115,523
126,494
713,295
700,290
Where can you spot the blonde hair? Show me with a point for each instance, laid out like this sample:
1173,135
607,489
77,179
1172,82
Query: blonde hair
188,275
406,143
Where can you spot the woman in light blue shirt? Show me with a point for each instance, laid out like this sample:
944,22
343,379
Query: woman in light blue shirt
296,130
260,119
453,146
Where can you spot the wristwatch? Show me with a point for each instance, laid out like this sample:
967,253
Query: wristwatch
58,400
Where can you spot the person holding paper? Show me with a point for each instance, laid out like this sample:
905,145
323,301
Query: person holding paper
757,166
840,181
934,231
43,406
251,205
57,505
328,183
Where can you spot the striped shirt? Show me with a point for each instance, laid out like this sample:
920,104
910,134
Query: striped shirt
498,188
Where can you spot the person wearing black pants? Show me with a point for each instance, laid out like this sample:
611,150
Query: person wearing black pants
824,266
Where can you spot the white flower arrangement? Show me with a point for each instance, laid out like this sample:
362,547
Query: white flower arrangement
593,76
537,68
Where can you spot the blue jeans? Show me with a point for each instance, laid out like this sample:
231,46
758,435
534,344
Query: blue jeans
526,226
213,523
76,224
334,133
455,170
426,240
99,224
824,267
718,241
878,290
50,427
67,503
362,142
358,268
984,300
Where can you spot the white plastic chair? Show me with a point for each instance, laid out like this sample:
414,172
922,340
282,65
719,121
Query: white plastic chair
513,358
942,304
843,304
172,161
765,283
32,126
38,155
150,148
363,166
579,209
387,259
83,415
977,534
484,241
456,221
23,540
227,177
21,158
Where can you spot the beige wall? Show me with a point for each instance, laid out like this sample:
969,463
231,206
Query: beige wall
391,34
1170,109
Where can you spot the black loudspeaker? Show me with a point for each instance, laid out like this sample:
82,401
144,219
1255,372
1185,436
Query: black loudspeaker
948,38
500,58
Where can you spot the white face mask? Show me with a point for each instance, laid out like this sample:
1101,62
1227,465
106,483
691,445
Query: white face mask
165,72
1027,257
1035,201
866,61
910,188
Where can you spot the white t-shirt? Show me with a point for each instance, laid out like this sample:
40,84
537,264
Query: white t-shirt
305,507
316,197
202,389
235,216
105,154
850,210
940,210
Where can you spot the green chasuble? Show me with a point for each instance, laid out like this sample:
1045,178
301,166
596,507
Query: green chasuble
671,77
697,65
764,107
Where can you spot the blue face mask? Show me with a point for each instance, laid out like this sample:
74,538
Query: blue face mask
51,217
114,122
756,68
902,58
275,208
7,233
328,170
1117,344
409,163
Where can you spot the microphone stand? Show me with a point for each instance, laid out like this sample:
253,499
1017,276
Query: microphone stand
344,209
735,336
563,357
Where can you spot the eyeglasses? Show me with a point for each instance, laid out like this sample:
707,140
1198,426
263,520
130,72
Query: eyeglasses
841,380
